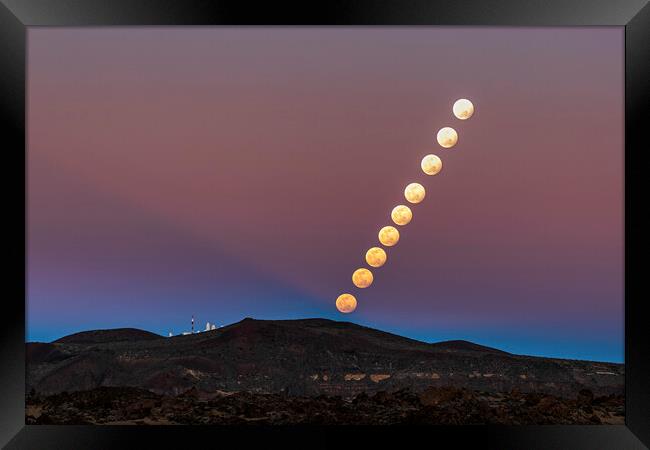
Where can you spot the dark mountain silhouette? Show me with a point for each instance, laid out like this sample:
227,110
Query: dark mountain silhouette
107,336
460,345
299,357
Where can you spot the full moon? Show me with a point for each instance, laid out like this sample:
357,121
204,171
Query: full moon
376,257
401,214
414,193
388,236
463,109
346,303
362,278
431,164
447,137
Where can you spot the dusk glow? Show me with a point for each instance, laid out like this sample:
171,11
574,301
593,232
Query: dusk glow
245,172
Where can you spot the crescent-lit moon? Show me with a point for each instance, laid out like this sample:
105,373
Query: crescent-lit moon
414,193
388,236
463,109
376,257
447,137
401,214
362,278
431,164
346,303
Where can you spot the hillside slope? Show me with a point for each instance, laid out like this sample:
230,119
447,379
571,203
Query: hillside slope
301,357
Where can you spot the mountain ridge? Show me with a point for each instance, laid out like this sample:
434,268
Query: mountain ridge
106,335
298,357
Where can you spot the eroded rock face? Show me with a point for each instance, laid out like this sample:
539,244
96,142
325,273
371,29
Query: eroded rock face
354,376
299,358
379,377
446,405
585,397
436,396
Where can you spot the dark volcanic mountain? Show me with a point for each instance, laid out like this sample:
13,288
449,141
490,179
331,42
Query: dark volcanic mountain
108,336
299,357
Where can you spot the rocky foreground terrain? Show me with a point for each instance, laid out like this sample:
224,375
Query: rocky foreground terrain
301,358
443,405
308,371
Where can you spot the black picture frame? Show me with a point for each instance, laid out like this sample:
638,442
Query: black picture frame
17,15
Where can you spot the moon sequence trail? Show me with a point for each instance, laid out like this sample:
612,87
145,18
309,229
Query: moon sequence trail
401,215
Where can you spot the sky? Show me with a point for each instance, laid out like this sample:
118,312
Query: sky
243,172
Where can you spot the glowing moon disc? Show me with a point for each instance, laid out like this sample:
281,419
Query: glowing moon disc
376,257
414,193
362,278
463,109
431,164
401,214
346,303
388,236
447,137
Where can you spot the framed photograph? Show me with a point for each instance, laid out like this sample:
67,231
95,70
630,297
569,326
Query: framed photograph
346,218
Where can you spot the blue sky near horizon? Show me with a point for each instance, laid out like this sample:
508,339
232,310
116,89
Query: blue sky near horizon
231,173
522,342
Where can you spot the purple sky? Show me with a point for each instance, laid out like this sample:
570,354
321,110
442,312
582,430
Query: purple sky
234,172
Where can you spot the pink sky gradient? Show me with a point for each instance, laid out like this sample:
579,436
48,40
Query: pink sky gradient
232,172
